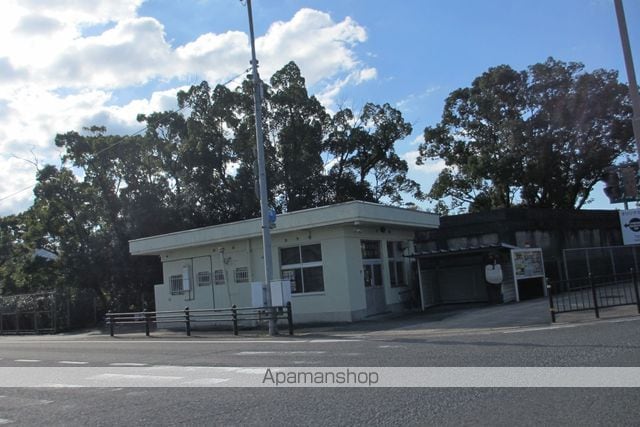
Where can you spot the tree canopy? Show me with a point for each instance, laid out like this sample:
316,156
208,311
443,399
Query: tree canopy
193,167
540,137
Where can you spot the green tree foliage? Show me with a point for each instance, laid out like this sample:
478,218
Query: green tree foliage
365,165
540,137
192,167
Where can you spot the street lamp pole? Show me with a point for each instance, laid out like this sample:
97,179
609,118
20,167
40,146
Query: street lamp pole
631,74
262,175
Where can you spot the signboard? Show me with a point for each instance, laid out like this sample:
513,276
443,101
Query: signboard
630,226
527,263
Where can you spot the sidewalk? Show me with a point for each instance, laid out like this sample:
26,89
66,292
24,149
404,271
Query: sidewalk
445,320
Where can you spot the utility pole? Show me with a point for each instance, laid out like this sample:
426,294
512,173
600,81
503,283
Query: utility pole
262,175
631,74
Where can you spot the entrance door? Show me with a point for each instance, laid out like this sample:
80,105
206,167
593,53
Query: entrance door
374,288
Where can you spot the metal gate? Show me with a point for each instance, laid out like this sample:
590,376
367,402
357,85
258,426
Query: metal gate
596,278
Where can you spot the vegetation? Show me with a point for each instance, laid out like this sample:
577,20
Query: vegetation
538,138
192,168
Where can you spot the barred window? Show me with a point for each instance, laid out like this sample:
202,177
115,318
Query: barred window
242,275
218,277
370,249
175,283
204,278
302,265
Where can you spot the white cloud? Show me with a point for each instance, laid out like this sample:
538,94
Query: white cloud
431,167
408,103
56,78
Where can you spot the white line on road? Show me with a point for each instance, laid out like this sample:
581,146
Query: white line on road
27,360
127,364
71,362
5,421
253,353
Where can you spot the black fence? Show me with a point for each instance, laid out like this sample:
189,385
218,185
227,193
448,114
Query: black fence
593,293
234,316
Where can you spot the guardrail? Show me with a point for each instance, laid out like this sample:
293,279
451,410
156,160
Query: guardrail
189,317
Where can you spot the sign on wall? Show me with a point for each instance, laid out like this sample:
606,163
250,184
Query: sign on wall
630,226
527,263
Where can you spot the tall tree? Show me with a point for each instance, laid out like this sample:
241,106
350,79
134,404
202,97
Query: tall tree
365,165
296,123
540,137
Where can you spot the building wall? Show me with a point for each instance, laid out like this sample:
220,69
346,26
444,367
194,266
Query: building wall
343,298
551,230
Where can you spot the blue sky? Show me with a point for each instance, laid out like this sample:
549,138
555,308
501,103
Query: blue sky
103,62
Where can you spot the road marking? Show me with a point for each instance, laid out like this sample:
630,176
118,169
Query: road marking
254,353
27,360
127,364
181,342
5,421
389,346
70,362
58,385
133,377
203,382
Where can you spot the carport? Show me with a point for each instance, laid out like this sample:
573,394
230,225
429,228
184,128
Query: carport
458,275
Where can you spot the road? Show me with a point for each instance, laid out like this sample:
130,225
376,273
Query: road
604,343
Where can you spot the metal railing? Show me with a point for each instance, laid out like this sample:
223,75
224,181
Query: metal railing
593,293
234,315
27,322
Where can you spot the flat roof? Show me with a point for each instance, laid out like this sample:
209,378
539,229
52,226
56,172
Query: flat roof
342,213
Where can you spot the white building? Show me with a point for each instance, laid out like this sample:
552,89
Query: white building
345,261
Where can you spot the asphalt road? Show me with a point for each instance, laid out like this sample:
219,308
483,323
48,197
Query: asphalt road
600,343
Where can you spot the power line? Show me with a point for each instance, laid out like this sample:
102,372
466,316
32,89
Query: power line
124,138
16,193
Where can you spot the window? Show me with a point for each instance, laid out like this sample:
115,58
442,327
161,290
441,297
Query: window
242,275
302,265
176,284
370,249
371,263
204,278
396,264
218,277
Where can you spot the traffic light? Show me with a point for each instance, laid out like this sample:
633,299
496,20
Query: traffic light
612,188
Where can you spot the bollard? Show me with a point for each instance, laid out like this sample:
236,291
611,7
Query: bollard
187,320
110,317
289,317
234,317
551,308
595,299
146,321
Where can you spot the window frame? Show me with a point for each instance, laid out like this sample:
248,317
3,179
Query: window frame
199,278
174,279
218,277
396,259
241,275
285,269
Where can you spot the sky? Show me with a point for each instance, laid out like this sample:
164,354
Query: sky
69,64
